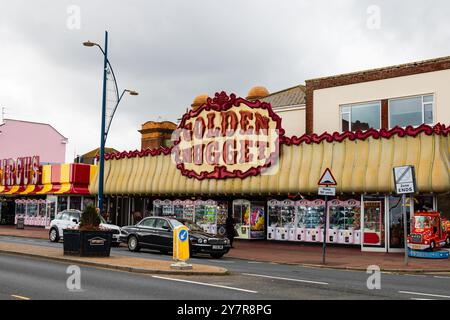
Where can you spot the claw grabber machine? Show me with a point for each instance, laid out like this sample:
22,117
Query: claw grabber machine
249,218
344,222
309,219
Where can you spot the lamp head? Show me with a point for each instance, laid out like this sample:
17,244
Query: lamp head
89,44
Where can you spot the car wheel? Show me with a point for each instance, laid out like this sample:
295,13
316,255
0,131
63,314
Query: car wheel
133,244
53,235
217,255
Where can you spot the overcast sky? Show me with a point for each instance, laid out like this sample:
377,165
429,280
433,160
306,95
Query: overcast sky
170,51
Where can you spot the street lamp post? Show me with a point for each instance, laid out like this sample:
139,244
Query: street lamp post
105,128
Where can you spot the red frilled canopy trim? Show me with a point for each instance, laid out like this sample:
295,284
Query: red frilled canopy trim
223,101
409,131
438,129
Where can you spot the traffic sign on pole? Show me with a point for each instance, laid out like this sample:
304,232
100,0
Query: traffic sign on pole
324,183
405,183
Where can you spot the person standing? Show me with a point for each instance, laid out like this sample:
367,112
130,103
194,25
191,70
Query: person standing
230,230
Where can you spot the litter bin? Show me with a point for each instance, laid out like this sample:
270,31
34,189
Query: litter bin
20,223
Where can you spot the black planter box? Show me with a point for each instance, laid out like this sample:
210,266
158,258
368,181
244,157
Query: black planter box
87,243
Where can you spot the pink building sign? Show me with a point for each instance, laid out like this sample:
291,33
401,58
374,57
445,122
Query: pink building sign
23,138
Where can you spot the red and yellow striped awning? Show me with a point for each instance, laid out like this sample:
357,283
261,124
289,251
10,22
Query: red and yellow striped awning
57,179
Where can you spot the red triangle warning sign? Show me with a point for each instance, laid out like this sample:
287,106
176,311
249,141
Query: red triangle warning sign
327,179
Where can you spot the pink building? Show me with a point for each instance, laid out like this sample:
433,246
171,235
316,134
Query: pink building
24,138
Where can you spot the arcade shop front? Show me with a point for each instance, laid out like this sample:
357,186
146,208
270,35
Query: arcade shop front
37,192
206,178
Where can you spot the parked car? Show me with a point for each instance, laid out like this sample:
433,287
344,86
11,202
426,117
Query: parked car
157,233
429,231
70,219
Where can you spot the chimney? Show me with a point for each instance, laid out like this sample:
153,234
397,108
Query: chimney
156,134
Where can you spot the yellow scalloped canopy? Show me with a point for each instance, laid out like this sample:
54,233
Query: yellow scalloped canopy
359,167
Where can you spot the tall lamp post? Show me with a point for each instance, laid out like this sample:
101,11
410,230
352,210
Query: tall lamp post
104,126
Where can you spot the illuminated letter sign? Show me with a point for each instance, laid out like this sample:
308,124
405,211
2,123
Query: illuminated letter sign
227,137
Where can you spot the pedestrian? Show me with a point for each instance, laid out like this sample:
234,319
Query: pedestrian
230,230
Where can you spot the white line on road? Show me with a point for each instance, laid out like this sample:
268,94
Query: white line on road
287,279
222,261
425,294
420,299
205,284
440,277
20,297
254,262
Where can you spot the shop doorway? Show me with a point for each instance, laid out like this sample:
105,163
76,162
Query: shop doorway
396,235
7,212
373,224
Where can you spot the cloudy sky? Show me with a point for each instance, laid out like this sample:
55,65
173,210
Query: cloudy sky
172,50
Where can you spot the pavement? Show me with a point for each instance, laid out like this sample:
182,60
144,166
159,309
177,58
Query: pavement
337,257
117,262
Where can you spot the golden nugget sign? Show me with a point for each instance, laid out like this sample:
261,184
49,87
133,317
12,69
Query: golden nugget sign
19,172
227,137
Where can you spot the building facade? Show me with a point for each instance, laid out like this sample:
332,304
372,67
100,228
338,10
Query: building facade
24,138
277,199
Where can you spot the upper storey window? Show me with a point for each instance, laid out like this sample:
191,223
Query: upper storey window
411,111
361,116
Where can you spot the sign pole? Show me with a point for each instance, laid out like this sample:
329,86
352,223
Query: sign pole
324,246
405,228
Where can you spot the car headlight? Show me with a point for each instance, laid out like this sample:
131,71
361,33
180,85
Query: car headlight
426,242
200,240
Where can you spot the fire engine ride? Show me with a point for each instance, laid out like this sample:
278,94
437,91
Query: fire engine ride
429,231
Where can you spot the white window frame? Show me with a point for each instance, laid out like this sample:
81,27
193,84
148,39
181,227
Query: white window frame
423,107
351,105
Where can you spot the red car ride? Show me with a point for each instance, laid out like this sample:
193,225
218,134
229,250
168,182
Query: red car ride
429,231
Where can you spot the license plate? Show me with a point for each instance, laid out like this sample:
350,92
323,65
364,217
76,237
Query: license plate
415,246
217,247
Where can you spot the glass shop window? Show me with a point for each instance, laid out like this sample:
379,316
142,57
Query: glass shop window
362,116
75,203
412,111
62,203
443,205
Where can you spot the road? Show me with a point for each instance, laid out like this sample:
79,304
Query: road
30,278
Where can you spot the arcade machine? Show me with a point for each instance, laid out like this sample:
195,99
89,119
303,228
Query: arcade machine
163,208
249,219
274,217
310,217
344,222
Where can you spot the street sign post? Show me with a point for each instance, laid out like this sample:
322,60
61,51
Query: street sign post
325,182
181,248
405,183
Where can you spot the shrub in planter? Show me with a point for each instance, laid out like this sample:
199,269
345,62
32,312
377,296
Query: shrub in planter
89,239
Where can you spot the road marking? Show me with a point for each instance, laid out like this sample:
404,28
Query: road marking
206,284
254,262
20,297
425,294
440,277
222,261
287,279
415,275
421,299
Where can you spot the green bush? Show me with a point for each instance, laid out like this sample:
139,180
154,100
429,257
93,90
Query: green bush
90,219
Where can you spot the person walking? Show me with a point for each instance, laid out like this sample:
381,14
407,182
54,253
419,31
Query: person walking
230,230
